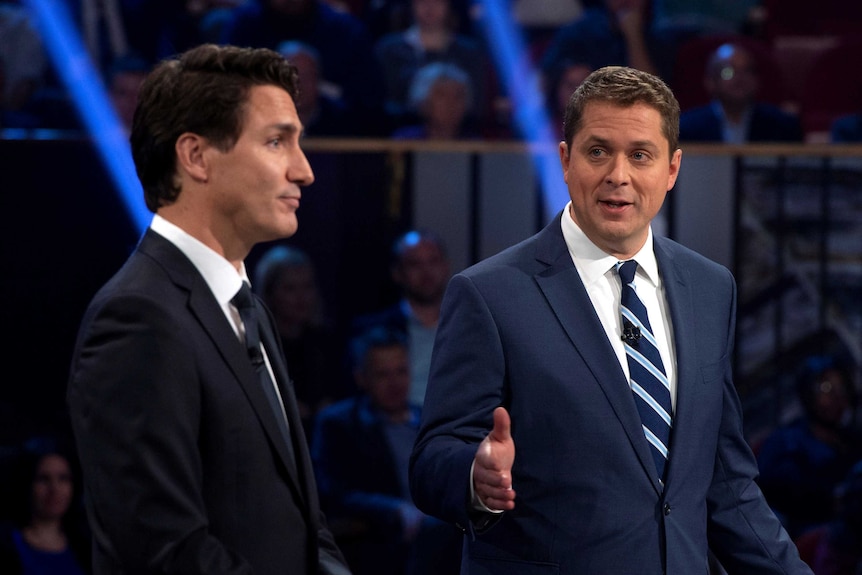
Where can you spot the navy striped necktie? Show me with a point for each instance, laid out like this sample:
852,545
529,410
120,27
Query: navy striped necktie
647,377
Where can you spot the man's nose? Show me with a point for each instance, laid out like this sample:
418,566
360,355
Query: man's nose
618,170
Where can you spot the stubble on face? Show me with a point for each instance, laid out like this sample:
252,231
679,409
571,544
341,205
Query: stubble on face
258,181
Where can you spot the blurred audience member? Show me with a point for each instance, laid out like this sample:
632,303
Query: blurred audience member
285,279
23,66
360,451
104,29
124,82
561,84
48,534
705,16
320,109
441,97
735,115
163,28
545,14
687,18
610,33
801,462
846,129
540,19
420,268
386,17
345,47
836,547
433,37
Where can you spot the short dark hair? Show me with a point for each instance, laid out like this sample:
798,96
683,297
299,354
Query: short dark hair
412,237
274,261
203,91
811,372
375,337
625,87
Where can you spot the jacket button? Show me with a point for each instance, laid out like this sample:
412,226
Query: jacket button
667,508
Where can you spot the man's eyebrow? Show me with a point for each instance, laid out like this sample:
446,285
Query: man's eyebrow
644,144
598,141
595,140
288,127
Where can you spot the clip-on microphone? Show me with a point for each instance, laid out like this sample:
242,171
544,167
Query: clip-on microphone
631,333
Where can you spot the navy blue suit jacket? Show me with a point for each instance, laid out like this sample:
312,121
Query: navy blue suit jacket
768,124
519,330
184,465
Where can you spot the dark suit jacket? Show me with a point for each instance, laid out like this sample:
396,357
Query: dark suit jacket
519,330
360,487
184,466
768,124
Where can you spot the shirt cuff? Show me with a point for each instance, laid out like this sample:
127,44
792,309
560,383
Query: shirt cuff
476,502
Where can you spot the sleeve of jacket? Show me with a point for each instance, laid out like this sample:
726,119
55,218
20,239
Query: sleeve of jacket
466,383
744,533
134,383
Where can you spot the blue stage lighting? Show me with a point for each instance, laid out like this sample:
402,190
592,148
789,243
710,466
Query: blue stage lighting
84,84
523,84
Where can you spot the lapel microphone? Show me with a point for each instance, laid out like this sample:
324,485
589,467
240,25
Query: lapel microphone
631,333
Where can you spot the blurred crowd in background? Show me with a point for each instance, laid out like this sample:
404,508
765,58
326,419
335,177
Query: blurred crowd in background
743,71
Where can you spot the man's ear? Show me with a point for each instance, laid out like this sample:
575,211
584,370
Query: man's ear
190,156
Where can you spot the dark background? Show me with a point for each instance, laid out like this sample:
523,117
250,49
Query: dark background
65,232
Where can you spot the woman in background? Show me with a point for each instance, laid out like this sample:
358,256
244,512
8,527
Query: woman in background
47,534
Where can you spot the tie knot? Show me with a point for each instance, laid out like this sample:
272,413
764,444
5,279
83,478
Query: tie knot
627,271
243,299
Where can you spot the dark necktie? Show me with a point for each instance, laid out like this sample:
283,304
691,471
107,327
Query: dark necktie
251,314
647,377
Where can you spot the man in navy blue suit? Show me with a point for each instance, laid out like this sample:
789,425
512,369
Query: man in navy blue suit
735,115
531,440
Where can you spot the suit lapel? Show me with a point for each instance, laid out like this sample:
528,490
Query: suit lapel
211,317
573,308
680,300
206,309
301,459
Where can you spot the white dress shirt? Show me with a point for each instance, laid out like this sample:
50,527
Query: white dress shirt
219,274
602,283
597,271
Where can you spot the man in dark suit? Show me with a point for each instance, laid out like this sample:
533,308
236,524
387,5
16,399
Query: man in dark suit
195,461
360,450
735,115
530,391
421,269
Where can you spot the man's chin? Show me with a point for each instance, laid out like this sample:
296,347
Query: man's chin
284,229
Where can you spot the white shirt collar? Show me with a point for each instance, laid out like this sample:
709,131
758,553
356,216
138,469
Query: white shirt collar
593,263
219,274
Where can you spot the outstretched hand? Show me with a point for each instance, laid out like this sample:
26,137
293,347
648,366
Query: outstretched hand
492,469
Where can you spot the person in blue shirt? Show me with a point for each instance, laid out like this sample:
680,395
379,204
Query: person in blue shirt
736,115
360,452
48,533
